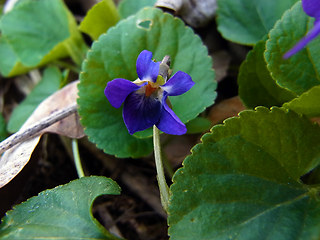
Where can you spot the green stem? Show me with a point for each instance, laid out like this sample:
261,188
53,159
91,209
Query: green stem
163,187
76,158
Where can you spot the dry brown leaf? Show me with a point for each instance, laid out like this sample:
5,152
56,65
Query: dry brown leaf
196,13
225,109
70,126
13,160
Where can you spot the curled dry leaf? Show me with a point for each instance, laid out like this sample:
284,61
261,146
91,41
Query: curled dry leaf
196,13
69,126
13,160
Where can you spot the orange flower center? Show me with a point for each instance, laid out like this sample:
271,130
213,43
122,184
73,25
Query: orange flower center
150,89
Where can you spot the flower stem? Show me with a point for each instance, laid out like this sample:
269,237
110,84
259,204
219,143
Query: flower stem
163,187
76,157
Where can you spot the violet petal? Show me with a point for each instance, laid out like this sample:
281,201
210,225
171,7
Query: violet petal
178,84
118,89
170,123
314,32
312,8
146,68
140,112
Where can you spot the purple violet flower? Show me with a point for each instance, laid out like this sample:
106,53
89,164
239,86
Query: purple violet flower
311,8
145,99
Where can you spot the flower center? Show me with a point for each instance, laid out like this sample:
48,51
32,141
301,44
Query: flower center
150,88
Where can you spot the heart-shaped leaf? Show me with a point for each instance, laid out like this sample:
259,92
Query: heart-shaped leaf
33,38
248,21
299,73
60,213
99,19
114,56
256,86
243,181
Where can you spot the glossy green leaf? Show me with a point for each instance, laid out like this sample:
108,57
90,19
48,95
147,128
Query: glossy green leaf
243,181
130,7
47,86
307,103
114,56
248,21
256,86
60,213
39,32
99,19
3,128
299,73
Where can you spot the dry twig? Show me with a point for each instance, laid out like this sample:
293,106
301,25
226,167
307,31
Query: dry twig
35,129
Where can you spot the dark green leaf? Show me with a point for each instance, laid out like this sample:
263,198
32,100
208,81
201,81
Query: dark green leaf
243,181
114,56
248,21
256,86
60,213
299,73
198,125
307,103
